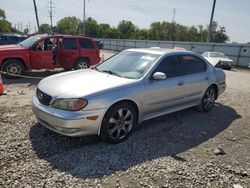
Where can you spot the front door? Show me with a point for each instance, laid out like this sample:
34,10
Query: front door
162,95
41,55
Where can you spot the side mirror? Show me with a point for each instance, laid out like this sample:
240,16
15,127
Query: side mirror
159,76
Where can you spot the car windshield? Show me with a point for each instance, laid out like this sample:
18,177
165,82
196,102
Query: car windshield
128,64
216,54
30,41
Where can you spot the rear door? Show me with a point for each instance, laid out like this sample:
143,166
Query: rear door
69,52
90,50
196,77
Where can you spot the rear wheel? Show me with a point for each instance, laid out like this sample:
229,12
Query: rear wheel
207,102
13,67
118,122
82,64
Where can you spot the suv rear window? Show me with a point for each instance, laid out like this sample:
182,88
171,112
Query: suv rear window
86,43
69,44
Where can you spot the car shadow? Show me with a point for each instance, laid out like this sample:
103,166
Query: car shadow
32,78
169,135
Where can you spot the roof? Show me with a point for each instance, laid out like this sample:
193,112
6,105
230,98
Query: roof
60,35
158,50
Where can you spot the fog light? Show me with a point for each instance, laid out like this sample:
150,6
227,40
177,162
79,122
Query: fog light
68,130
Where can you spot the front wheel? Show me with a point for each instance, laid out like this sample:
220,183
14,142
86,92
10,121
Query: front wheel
118,122
13,67
207,102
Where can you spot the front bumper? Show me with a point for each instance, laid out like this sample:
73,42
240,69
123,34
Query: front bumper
66,122
225,65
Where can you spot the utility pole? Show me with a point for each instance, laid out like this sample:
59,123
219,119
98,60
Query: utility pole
37,21
173,26
84,16
174,12
51,7
211,23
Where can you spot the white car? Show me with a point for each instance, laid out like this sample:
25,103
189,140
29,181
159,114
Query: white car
219,60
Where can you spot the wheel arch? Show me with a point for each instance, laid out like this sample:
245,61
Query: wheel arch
129,101
82,58
215,86
14,58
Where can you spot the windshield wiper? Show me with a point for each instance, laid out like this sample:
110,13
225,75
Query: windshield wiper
112,73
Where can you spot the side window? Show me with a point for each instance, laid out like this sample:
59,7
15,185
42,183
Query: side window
192,64
45,45
86,43
171,66
69,44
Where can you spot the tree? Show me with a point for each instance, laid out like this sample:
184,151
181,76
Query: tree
2,14
5,26
127,29
91,27
160,31
220,35
44,28
69,25
26,31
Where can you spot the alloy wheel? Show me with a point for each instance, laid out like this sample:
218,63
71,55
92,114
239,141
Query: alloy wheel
209,99
14,69
82,65
120,124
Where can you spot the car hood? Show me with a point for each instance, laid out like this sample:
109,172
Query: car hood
11,47
215,60
81,83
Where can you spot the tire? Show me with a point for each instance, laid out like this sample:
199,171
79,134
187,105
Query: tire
118,122
13,66
207,102
81,64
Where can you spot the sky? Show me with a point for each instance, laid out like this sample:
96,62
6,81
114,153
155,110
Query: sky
232,14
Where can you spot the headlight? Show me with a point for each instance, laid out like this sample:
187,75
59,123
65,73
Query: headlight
70,104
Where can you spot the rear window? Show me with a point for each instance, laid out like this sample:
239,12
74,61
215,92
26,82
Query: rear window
69,44
86,43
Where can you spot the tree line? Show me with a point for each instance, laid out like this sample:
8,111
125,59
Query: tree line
166,31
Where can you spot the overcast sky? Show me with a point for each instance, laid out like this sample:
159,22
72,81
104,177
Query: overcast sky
232,14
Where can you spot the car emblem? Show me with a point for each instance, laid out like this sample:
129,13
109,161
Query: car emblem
40,95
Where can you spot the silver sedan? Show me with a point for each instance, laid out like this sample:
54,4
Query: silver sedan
135,85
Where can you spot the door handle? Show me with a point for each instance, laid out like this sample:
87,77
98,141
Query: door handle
180,83
206,78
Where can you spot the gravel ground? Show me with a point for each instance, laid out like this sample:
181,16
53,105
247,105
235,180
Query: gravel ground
175,150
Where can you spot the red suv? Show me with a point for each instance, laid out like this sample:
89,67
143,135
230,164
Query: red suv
48,52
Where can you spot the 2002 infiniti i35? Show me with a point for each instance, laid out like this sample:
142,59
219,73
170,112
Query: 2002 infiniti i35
135,85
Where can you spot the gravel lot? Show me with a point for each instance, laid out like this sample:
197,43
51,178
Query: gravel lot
176,150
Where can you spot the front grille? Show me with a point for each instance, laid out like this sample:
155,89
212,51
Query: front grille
43,97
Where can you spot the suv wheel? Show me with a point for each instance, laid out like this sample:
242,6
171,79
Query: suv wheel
13,66
81,64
